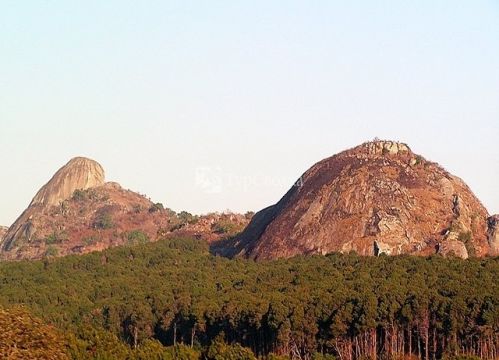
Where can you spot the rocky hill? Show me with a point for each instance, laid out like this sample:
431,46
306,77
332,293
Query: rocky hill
376,198
78,212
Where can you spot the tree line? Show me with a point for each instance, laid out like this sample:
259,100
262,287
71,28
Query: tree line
172,299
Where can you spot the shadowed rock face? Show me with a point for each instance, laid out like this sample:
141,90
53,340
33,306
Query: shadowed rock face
376,198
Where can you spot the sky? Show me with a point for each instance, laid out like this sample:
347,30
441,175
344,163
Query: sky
216,105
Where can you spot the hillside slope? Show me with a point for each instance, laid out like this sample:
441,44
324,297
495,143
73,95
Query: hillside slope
78,212
378,197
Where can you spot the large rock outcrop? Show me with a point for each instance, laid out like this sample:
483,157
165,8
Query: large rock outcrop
77,212
78,174
376,198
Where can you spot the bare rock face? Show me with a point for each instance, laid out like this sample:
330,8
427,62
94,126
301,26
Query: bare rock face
453,248
376,198
78,174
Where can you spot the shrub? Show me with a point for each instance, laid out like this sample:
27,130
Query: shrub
151,349
104,221
51,251
182,219
187,218
272,356
319,356
51,239
226,227
460,357
92,343
170,212
79,195
56,238
219,350
137,208
465,236
176,227
137,237
182,352
156,207
90,240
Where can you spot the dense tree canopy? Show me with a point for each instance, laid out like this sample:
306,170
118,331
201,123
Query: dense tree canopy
172,299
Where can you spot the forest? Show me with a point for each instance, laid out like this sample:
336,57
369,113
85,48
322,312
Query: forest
173,300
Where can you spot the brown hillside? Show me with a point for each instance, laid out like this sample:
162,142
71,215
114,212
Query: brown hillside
376,198
77,212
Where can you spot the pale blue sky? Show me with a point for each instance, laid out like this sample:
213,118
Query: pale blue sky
167,95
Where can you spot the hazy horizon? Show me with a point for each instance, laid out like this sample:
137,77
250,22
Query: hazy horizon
207,107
